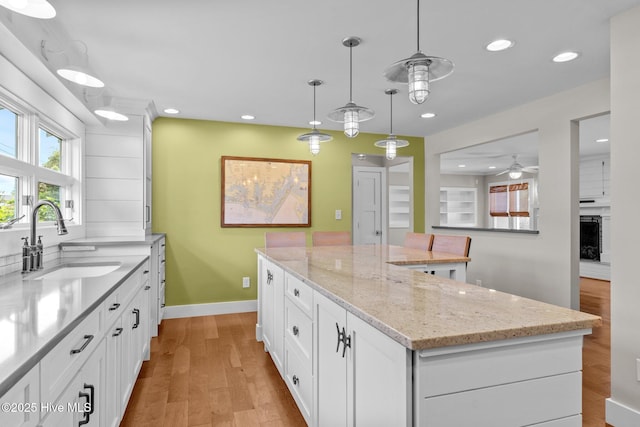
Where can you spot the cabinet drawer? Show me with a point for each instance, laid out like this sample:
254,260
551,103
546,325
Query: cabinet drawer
517,404
298,329
60,365
300,293
299,380
132,284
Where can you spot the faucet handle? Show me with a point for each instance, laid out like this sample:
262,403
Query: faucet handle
26,240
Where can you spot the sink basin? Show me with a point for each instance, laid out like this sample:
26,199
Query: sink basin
78,271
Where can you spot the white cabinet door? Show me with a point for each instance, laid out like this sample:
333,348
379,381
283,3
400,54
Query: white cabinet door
272,311
363,377
114,350
330,364
25,398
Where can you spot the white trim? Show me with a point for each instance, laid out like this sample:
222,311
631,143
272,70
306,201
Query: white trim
194,310
620,415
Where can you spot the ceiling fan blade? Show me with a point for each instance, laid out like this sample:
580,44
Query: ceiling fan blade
503,172
530,169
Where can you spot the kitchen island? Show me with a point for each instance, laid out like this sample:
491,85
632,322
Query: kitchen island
363,340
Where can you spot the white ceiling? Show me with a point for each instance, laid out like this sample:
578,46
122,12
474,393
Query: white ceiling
220,59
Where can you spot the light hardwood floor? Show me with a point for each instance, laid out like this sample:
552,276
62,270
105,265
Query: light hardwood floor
210,371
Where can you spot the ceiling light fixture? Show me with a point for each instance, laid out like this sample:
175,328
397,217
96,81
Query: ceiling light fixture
419,70
110,114
315,122
171,111
247,117
602,140
77,73
351,114
391,143
565,56
315,137
498,45
428,115
41,9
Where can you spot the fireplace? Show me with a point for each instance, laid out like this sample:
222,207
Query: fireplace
590,237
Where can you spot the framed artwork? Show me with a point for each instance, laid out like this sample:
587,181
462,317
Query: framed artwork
259,192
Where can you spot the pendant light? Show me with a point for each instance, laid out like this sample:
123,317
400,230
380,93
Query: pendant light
391,143
351,114
315,137
40,9
419,70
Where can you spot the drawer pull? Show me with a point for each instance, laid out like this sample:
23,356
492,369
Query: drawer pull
117,332
163,305
162,261
145,272
296,331
296,292
137,313
114,306
269,276
90,401
87,339
295,380
163,280
146,288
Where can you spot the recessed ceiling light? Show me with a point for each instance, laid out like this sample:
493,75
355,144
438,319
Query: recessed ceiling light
247,117
498,45
492,167
565,56
112,115
171,111
462,166
315,122
602,140
427,115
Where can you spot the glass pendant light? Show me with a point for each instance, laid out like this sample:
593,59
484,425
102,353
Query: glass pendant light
315,137
419,70
391,143
351,114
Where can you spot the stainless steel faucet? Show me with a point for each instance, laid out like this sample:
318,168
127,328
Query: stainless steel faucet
35,249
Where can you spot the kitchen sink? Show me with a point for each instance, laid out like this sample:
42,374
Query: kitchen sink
78,271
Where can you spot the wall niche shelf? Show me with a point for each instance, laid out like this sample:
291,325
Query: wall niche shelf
458,207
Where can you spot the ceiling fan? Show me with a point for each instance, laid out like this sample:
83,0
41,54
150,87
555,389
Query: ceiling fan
516,169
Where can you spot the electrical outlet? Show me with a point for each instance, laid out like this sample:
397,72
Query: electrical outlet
338,214
478,282
246,282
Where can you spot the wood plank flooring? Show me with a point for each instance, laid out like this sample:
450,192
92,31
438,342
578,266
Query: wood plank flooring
210,371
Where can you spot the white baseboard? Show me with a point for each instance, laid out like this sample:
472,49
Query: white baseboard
620,415
194,310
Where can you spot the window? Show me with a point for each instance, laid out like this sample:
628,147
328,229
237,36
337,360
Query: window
8,132
36,165
50,153
51,193
8,191
509,205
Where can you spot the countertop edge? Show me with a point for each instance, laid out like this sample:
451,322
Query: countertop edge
124,241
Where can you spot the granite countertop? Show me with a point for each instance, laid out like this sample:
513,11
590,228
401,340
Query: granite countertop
149,239
418,310
37,314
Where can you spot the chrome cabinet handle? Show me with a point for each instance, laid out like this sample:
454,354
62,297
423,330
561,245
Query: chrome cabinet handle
344,339
87,339
295,330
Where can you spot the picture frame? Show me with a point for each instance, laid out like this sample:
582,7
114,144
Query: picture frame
265,192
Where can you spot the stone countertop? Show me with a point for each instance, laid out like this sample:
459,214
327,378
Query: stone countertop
37,314
418,310
114,240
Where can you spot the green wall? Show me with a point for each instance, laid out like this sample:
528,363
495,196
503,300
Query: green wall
205,262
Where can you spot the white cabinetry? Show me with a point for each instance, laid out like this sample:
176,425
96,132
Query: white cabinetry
361,374
118,178
24,394
458,207
271,283
594,178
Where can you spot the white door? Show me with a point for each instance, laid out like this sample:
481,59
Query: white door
369,205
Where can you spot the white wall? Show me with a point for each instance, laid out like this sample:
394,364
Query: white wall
623,409
542,266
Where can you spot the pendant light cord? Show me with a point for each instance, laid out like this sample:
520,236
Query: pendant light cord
391,114
418,25
350,72
314,106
